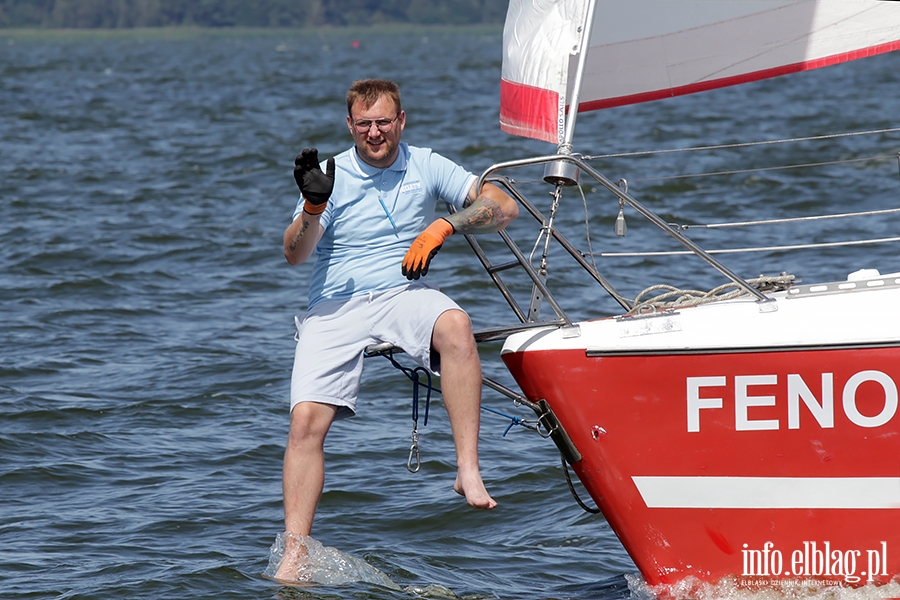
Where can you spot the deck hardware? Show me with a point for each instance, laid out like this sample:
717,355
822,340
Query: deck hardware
386,349
621,227
570,331
840,287
554,428
537,297
769,305
414,462
561,173
597,432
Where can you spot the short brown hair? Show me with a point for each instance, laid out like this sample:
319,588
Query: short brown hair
368,91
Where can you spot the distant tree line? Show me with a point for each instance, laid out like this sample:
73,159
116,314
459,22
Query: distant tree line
114,14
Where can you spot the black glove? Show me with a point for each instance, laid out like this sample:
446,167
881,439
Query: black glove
315,185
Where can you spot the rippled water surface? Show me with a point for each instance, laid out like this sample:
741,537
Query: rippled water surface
146,339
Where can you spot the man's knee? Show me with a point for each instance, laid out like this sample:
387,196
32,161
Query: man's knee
310,422
453,323
453,332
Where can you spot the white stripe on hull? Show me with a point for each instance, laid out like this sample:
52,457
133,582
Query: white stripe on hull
770,492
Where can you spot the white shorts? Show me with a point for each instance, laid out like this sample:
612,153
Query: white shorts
334,334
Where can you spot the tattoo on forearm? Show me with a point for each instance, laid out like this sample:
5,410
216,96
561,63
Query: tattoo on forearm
299,235
482,215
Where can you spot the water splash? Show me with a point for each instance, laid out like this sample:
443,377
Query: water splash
433,590
730,589
324,565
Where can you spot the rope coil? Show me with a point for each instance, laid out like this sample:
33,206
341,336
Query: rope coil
672,298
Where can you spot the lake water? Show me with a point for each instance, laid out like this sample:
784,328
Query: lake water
147,311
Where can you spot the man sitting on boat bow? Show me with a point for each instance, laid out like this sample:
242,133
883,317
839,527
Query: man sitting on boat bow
369,217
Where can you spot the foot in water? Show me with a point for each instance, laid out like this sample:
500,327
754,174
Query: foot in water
469,485
294,566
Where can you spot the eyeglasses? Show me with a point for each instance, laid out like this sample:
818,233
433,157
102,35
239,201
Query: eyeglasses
383,125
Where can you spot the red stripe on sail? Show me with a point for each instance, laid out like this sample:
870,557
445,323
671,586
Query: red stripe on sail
528,111
738,79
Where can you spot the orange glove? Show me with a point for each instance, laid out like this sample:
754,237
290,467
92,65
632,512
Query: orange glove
423,249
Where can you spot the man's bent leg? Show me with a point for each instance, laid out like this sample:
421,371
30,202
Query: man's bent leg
461,389
303,479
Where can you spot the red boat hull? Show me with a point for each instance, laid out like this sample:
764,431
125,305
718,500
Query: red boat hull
754,464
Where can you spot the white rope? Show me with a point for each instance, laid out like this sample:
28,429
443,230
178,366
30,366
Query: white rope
672,297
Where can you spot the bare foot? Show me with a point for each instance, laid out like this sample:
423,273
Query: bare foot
469,484
294,565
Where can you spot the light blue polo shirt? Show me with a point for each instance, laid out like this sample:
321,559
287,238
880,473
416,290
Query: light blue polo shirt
375,214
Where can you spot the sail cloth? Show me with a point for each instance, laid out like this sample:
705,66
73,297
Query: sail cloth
641,50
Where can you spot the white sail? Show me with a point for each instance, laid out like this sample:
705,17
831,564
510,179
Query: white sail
641,50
